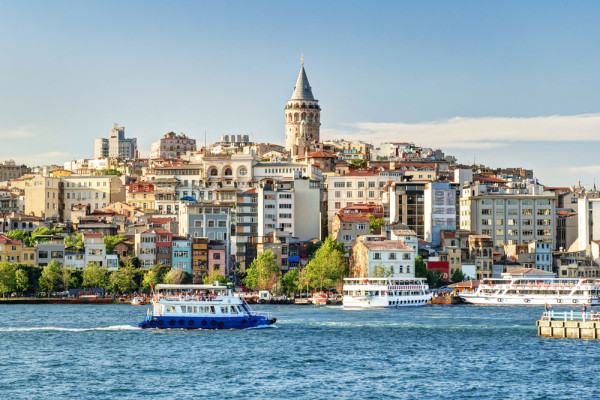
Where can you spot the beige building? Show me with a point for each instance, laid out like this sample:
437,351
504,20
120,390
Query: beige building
43,197
347,227
56,197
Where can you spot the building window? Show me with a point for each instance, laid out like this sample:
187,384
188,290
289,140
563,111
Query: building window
376,256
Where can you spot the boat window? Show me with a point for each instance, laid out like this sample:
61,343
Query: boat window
223,310
239,308
233,310
170,309
212,310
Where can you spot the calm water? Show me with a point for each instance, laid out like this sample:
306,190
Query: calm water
469,352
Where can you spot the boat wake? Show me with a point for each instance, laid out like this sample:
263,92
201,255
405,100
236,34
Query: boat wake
60,329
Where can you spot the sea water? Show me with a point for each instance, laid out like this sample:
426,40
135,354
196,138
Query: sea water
436,352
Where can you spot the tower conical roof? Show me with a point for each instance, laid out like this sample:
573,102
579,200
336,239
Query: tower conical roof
302,89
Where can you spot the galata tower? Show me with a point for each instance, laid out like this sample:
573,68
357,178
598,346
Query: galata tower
302,117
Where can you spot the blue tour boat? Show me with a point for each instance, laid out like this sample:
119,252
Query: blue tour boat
200,307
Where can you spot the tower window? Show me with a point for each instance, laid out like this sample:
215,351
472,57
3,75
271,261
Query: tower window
297,118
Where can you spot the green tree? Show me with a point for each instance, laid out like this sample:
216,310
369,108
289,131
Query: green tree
67,278
95,276
420,268
110,242
458,276
51,278
8,282
41,231
380,272
124,279
435,278
263,273
18,234
161,272
290,281
22,281
328,266
150,280
175,276
75,241
375,223
110,171
214,276
357,163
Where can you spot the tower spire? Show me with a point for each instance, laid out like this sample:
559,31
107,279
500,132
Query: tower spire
302,60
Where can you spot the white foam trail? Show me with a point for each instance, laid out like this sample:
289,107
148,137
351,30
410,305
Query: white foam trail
56,328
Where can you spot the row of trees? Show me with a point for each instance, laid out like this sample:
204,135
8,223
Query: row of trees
325,271
22,278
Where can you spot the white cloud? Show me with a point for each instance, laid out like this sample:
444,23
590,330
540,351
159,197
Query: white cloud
22,132
32,160
586,169
475,133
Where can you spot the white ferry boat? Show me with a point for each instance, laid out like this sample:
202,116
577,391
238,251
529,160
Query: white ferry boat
201,307
534,291
385,293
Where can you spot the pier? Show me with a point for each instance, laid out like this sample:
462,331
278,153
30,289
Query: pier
569,324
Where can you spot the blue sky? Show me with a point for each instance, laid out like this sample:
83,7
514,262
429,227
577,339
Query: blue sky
507,83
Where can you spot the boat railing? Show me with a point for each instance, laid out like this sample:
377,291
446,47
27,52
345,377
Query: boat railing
190,298
265,314
570,316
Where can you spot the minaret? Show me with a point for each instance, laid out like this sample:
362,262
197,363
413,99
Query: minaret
302,117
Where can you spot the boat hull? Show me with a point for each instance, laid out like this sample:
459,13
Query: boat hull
527,301
205,322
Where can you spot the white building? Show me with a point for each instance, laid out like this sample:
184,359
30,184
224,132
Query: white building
94,249
374,256
116,145
588,215
511,215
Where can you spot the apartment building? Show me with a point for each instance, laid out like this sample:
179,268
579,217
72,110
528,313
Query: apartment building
182,254
347,227
509,215
357,187
94,249
57,197
172,145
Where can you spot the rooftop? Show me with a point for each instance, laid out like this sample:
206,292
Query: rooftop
396,245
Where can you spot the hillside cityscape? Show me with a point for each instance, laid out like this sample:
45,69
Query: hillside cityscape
209,211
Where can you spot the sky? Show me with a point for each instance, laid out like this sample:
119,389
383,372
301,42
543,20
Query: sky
505,83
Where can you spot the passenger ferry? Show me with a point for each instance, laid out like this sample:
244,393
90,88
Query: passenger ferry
385,293
534,291
201,307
